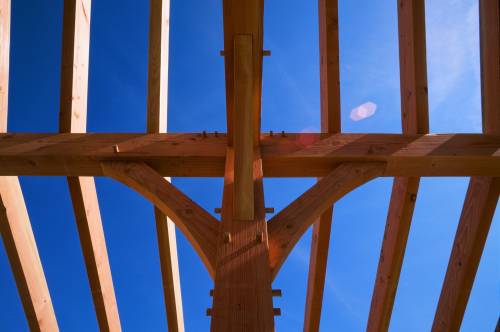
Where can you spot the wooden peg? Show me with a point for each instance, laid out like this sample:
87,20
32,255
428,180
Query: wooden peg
227,237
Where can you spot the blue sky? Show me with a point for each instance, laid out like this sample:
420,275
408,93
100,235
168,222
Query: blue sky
117,103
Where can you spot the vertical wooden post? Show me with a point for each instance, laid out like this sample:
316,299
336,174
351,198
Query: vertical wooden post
15,226
243,292
482,195
159,30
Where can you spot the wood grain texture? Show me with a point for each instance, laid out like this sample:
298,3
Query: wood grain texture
75,66
330,123
296,155
199,227
243,198
397,229
73,119
320,242
415,120
288,226
157,117
93,243
328,18
482,194
489,13
472,231
4,62
24,259
159,32
169,262
242,293
15,226
243,17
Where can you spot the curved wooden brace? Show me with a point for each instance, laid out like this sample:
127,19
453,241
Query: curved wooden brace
287,227
199,227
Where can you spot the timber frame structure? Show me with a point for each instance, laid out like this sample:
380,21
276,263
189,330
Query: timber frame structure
243,252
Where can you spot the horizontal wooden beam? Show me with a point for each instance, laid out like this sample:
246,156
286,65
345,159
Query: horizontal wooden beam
199,227
287,227
296,155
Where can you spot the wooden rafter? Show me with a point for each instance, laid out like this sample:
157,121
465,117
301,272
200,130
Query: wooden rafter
73,119
157,123
15,226
288,226
330,123
296,155
199,227
482,194
415,120
243,253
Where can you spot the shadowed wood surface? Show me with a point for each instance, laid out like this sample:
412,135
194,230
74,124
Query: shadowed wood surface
330,123
415,120
475,222
199,227
296,155
288,226
243,199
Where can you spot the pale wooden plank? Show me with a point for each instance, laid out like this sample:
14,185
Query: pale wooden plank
288,226
73,119
4,62
482,194
242,293
15,226
159,28
199,227
75,66
330,123
167,246
415,120
296,155
24,259
159,32
243,129
93,243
